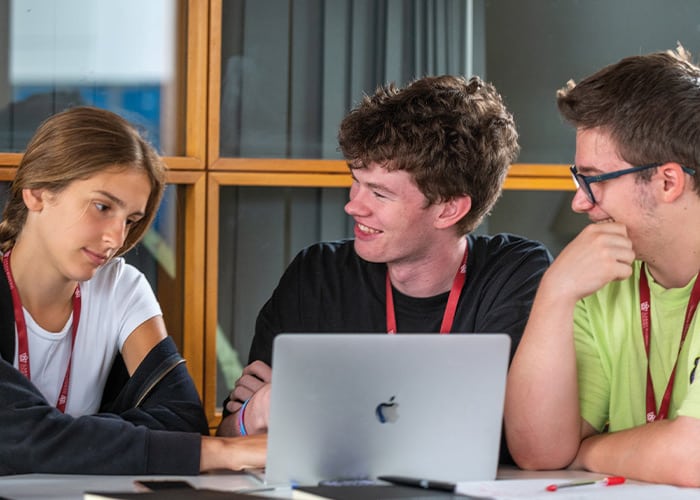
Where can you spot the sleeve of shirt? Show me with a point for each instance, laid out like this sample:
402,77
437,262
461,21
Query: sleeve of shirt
37,438
282,311
136,300
512,274
593,385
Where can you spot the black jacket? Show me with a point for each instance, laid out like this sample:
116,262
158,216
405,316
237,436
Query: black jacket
149,423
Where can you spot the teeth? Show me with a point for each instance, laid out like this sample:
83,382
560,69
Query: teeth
366,229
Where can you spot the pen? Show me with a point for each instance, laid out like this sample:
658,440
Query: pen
426,484
608,481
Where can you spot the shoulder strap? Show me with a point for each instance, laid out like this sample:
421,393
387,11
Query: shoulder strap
7,321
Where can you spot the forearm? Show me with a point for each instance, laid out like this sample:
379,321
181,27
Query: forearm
542,419
667,451
235,453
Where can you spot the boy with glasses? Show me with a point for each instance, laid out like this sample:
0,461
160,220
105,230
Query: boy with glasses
613,323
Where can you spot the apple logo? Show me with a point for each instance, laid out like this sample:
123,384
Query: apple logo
388,411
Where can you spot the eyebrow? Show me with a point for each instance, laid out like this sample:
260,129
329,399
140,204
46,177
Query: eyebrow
118,201
585,170
380,187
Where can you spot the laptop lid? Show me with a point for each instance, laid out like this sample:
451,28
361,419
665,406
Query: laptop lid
365,405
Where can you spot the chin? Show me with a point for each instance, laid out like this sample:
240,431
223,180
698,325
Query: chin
84,274
366,255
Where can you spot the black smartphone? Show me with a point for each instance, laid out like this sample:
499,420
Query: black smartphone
162,484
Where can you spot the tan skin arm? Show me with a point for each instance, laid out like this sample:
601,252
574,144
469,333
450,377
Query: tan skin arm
253,385
140,342
542,420
234,453
667,451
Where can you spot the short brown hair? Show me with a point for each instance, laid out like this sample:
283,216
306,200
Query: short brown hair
649,104
75,145
454,136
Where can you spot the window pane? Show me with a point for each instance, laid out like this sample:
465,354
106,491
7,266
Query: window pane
122,56
261,229
544,216
552,41
291,70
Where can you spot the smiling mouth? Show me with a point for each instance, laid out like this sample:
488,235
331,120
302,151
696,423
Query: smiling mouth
367,229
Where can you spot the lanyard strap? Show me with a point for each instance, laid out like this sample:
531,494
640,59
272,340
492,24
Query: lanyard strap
22,337
450,309
645,311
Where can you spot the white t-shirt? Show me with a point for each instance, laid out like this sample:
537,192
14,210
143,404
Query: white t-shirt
115,301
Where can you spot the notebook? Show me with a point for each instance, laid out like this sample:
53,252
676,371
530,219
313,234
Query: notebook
348,406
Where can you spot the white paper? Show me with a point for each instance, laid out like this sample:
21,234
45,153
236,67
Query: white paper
536,489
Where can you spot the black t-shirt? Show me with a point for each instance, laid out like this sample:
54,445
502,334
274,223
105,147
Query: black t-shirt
329,288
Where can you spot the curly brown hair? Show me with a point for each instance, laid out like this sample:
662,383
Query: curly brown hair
75,145
649,104
453,135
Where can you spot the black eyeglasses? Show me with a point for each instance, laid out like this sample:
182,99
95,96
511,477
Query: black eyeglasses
584,181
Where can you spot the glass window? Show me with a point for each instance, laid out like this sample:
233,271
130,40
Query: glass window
121,56
261,229
551,41
291,70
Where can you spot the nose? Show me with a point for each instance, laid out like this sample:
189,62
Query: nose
355,206
580,202
115,232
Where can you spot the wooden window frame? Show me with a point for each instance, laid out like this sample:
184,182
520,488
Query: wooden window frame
203,172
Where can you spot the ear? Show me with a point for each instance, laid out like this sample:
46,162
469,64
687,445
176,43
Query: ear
452,211
674,180
33,199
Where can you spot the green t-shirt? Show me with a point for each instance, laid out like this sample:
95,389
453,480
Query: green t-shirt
612,364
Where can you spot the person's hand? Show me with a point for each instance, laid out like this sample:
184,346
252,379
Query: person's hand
601,253
237,453
254,376
253,386
257,411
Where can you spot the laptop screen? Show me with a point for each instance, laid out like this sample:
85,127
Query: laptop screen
347,406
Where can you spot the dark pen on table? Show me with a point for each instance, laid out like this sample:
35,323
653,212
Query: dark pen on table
426,484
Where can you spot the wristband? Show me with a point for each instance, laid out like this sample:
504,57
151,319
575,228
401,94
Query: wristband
241,416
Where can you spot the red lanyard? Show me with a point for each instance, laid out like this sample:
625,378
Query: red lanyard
645,309
450,309
23,341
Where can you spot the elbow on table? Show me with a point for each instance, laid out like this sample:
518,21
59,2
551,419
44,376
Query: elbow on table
541,463
540,458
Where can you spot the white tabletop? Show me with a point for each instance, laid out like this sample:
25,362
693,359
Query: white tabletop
511,484
72,487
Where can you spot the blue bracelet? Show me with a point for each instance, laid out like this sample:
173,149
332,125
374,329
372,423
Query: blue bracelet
241,416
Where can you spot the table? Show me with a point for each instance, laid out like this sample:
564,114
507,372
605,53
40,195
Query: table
71,487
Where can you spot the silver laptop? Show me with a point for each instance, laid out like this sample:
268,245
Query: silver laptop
350,406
